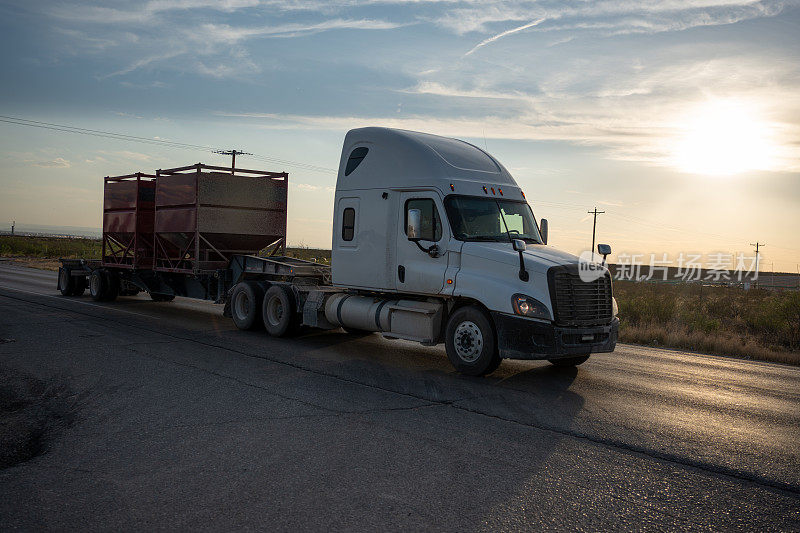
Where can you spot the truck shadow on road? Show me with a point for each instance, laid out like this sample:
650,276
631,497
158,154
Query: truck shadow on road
526,391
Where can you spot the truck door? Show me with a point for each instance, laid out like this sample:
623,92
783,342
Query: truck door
417,271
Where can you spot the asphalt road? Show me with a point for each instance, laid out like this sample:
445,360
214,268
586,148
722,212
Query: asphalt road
181,421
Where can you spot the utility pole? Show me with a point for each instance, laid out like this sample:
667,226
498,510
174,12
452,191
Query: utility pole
12,227
758,246
233,154
594,226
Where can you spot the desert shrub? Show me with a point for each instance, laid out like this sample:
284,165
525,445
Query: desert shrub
722,320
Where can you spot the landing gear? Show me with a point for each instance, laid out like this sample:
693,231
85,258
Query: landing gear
470,342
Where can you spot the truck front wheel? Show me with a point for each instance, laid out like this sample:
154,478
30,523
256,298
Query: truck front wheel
246,305
470,342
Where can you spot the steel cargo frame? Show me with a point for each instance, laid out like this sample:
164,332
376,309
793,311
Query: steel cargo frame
136,250
188,258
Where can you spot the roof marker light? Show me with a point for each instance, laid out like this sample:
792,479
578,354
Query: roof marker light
452,187
492,190
523,194
484,190
501,191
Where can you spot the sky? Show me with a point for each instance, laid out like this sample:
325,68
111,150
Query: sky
679,119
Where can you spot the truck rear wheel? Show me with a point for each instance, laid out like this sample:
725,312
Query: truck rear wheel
246,305
470,342
278,311
569,361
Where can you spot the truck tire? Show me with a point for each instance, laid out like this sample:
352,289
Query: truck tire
78,286
278,310
112,285
569,361
66,283
98,285
470,342
246,305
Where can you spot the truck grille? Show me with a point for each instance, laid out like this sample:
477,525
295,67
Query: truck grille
577,302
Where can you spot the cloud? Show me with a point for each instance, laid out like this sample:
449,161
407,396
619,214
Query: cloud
58,162
506,33
606,14
234,34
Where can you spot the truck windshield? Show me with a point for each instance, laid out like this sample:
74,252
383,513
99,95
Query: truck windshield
491,219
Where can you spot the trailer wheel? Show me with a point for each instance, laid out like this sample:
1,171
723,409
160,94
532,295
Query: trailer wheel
98,285
569,361
112,285
246,305
470,342
66,283
280,318
78,286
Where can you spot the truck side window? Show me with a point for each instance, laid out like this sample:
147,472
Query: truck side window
431,223
355,159
348,224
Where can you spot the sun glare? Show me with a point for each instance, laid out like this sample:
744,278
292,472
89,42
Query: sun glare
722,139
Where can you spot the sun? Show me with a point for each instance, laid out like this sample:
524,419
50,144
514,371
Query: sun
723,138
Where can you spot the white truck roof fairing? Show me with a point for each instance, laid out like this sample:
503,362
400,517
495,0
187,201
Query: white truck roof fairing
401,159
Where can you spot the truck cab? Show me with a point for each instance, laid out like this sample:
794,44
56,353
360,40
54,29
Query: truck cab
440,226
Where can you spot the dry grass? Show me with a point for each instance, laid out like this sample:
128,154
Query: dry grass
755,324
49,247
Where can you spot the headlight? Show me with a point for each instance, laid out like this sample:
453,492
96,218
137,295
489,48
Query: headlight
614,307
527,306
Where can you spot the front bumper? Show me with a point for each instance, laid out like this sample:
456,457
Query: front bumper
523,338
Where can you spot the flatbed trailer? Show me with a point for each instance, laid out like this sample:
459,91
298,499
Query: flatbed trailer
105,283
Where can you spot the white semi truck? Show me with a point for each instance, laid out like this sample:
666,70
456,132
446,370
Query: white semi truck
433,242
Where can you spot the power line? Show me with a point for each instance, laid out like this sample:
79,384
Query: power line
145,140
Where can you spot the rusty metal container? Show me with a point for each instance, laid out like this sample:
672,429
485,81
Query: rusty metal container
206,214
128,218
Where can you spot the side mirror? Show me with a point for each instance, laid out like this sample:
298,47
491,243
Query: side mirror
543,230
519,245
604,250
414,224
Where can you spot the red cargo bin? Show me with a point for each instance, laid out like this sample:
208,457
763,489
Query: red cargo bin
128,217
205,215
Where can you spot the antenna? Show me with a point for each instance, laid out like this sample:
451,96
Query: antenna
233,154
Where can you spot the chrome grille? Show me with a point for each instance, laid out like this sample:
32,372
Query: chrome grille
577,302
